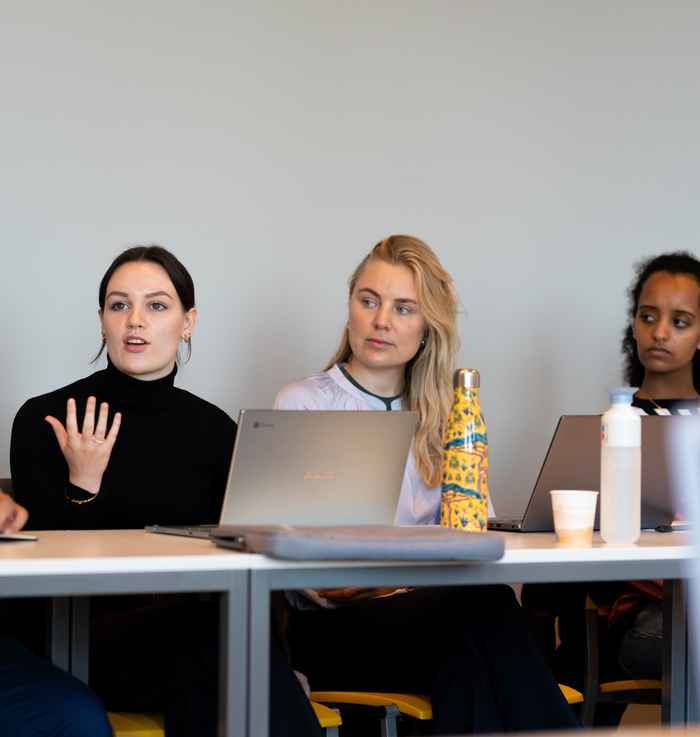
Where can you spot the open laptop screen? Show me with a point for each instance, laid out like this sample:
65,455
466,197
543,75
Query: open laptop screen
317,468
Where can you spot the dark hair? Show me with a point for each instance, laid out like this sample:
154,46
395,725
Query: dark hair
679,262
179,276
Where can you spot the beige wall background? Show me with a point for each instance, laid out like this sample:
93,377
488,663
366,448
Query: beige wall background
541,148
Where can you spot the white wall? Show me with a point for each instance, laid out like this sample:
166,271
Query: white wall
541,149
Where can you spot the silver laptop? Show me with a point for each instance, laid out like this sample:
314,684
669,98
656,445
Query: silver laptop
313,468
573,462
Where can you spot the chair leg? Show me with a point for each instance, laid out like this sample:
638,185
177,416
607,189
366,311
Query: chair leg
388,723
591,688
588,713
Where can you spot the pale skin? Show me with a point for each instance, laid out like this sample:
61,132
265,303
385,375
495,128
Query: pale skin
86,451
142,324
667,331
385,326
13,516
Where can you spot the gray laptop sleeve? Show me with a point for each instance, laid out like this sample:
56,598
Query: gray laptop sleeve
361,542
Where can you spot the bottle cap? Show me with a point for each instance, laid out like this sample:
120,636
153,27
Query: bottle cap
467,378
622,394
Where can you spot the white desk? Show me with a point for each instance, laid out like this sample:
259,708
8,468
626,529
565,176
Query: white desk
65,564
529,558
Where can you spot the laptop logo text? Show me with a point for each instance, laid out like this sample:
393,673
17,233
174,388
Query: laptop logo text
319,476
257,424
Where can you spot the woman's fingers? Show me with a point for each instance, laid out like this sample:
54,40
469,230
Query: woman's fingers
59,430
18,521
114,430
7,511
87,453
89,419
101,428
12,515
71,418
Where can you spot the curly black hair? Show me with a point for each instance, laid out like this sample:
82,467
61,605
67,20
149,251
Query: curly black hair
678,262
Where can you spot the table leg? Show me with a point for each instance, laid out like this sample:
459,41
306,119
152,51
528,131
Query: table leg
233,662
259,654
693,710
80,638
674,701
59,632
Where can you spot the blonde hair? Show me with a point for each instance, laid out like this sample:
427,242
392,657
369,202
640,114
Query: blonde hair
428,379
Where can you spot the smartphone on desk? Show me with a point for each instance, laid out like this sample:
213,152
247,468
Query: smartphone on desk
676,526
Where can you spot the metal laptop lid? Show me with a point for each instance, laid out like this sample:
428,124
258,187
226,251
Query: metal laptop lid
317,467
573,462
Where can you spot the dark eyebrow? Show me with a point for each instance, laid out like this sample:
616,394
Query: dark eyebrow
161,293
398,299
150,295
675,312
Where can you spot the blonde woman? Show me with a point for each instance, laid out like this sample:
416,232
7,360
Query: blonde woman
468,648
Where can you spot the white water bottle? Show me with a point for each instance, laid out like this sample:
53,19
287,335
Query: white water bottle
621,470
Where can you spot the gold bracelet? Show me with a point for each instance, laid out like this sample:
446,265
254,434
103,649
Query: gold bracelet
80,501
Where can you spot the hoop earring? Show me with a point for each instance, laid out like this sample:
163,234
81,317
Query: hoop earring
188,341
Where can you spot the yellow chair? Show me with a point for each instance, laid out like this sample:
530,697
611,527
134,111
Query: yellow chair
612,692
329,719
391,704
125,724
571,695
411,705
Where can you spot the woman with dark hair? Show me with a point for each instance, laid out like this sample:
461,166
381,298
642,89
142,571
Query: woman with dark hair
124,448
662,340
83,471
660,348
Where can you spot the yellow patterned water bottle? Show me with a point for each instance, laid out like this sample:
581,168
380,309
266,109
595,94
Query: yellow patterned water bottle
465,459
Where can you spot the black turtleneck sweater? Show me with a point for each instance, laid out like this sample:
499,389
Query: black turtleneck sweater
168,466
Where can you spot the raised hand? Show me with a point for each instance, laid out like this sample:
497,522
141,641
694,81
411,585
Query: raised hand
12,515
87,453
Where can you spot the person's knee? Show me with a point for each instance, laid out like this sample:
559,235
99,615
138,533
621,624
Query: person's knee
52,704
79,712
492,603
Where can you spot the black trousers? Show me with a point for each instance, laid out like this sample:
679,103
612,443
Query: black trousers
467,648
566,601
164,656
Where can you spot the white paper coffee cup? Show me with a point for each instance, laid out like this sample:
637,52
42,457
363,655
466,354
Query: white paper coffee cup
574,515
